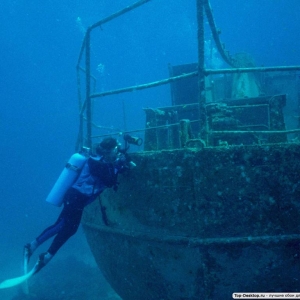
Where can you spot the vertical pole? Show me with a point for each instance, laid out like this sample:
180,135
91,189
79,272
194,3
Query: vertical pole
201,77
79,142
88,88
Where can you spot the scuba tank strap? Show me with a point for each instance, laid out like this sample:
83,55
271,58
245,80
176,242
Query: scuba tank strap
73,167
67,177
85,152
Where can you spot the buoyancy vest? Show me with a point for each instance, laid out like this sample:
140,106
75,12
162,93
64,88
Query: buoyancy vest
105,171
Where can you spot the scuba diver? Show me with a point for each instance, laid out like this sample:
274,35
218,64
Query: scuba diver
98,173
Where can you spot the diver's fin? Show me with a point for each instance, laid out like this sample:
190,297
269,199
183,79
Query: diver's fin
18,280
25,287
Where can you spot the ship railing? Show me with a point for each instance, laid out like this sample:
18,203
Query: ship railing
86,105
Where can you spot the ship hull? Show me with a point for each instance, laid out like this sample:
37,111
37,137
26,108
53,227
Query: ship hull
201,224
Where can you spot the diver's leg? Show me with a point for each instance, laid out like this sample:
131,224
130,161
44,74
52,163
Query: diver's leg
49,232
71,219
71,224
29,248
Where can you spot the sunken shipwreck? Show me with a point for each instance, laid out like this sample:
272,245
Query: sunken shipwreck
212,206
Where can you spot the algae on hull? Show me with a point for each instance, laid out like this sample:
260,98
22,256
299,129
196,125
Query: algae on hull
188,223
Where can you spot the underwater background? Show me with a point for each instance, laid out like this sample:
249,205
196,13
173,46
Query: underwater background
40,44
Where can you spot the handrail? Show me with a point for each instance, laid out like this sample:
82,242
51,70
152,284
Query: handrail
251,70
210,132
202,6
86,45
193,74
254,131
119,13
144,86
107,19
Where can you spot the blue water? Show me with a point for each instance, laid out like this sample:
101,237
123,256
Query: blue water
40,43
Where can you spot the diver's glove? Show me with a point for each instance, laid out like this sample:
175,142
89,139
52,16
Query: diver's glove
124,163
129,163
132,165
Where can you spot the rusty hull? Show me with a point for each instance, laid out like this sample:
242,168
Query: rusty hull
201,224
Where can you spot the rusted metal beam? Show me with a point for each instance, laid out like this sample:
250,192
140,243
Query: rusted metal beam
201,75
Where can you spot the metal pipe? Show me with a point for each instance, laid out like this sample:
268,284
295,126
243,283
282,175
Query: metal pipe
201,75
215,32
144,86
119,13
81,51
86,46
105,20
88,87
254,131
251,70
193,74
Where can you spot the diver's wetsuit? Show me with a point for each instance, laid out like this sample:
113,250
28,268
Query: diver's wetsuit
95,176
67,222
